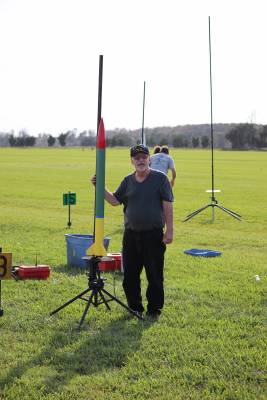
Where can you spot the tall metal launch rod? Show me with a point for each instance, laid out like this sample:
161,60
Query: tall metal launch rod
100,79
211,123
143,139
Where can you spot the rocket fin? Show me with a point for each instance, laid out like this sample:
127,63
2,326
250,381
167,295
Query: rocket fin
96,249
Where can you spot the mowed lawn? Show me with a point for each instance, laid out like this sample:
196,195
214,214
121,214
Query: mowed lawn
209,343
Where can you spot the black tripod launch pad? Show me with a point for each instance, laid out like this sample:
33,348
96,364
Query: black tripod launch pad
96,293
213,204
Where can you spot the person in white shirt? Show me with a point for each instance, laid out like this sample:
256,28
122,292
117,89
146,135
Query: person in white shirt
163,162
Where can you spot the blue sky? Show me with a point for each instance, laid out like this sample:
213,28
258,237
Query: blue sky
49,52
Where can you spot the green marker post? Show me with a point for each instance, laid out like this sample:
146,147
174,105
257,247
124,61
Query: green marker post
68,200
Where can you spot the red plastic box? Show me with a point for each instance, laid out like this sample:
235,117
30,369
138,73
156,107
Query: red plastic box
111,264
117,258
34,272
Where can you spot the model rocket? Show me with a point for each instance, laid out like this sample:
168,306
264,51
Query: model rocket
97,248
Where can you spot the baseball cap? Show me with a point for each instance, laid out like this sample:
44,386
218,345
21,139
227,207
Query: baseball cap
140,148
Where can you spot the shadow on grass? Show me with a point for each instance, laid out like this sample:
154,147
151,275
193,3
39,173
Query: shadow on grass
69,353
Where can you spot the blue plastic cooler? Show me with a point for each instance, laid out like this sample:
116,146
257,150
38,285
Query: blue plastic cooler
77,244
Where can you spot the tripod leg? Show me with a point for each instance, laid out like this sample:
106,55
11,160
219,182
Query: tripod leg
229,212
122,304
1,310
104,300
232,212
89,302
95,299
213,213
70,301
196,212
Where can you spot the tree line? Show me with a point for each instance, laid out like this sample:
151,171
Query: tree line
225,136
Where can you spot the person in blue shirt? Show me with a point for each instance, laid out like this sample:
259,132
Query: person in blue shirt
163,162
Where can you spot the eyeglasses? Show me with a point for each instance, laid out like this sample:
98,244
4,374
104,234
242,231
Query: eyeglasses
140,157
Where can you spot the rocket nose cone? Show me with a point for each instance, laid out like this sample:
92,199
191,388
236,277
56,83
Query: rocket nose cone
101,136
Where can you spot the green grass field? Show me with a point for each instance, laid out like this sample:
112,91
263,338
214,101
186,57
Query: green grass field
209,343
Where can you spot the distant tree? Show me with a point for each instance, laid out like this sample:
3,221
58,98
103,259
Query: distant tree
71,139
220,141
251,135
178,141
22,140
41,140
29,141
263,137
205,141
195,142
120,140
151,140
4,138
186,143
62,139
51,140
163,141
242,136
88,138
235,138
87,141
12,140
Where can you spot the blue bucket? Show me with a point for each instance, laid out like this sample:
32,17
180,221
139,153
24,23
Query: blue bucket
77,244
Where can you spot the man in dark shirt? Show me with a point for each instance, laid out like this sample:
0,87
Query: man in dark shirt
147,198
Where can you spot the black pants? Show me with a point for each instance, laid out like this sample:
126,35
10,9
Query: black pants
143,249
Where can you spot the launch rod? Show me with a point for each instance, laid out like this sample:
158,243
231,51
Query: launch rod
100,79
99,113
143,141
211,120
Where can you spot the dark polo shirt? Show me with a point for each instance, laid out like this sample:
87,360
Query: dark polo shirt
142,201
